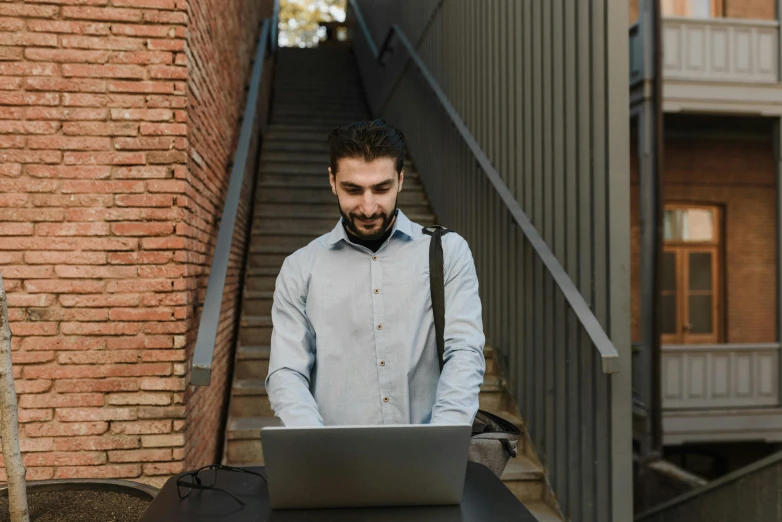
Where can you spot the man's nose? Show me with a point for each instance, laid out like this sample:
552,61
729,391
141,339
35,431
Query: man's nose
368,204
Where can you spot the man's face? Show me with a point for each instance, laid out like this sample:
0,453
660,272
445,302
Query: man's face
367,194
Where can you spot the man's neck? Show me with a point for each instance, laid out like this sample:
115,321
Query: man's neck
372,244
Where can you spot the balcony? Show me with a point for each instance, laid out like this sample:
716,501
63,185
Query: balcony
718,64
721,392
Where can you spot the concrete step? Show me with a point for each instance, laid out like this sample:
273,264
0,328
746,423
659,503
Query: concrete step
253,352
306,136
260,258
324,112
542,512
250,406
279,244
257,330
243,440
251,369
524,479
334,121
258,303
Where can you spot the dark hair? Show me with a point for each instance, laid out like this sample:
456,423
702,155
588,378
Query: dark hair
367,140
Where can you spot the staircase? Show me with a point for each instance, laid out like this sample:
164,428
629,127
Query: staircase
315,91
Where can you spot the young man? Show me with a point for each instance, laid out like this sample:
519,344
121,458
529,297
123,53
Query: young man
354,339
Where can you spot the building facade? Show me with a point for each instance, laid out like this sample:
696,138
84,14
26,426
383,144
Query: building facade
720,280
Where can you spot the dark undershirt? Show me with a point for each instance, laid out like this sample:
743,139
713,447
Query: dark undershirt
372,244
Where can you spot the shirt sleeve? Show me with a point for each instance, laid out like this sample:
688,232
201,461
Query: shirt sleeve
464,365
292,352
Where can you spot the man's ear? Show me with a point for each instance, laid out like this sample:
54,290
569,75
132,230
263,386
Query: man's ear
401,179
333,182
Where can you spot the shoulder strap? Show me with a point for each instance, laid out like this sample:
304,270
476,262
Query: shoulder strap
437,285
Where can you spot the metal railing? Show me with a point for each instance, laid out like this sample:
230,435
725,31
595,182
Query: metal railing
560,361
243,169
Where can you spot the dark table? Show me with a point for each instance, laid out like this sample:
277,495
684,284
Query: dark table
485,498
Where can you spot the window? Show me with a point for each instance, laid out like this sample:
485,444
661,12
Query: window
692,8
691,274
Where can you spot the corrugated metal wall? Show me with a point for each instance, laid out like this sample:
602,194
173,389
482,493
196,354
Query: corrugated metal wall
542,86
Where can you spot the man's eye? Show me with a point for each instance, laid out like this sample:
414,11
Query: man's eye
354,192
382,190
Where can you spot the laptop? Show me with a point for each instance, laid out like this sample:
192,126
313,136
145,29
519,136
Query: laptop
365,466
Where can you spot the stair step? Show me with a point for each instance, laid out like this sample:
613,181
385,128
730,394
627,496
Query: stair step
244,387
542,512
324,195
249,427
301,127
256,320
253,352
521,468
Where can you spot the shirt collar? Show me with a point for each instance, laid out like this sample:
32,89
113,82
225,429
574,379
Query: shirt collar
402,225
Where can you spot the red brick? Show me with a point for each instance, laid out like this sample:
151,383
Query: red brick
159,441
135,399
70,2
56,400
154,44
26,416
96,385
62,343
105,187
167,72
64,372
10,84
84,100
64,459
161,384
26,156
16,229
22,39
104,158
144,172
142,87
103,472
163,129
60,243
166,158
66,201
68,143
147,200
141,427
100,300
103,443
29,329
64,84
60,314
165,468
98,357
28,127
28,11
152,4
161,412
69,27
140,314
15,24
60,113
142,114
66,55
12,113
172,102
180,59
149,30
107,14
145,143
72,229
24,300
74,328
164,17
86,258
66,429
38,386
10,169
103,71
34,445
100,128
58,286
168,243
142,57
175,186
27,272
29,98
140,285
103,43
11,53
94,414
140,258
31,357
59,171
142,229
142,455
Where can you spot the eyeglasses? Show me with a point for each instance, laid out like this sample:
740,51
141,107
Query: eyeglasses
199,480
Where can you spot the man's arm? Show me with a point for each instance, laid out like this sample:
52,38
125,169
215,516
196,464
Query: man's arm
460,381
292,352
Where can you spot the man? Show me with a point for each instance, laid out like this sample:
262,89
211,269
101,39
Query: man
353,341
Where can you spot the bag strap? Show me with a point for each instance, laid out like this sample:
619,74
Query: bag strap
437,286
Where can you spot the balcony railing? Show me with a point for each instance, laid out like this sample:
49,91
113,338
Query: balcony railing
720,376
719,49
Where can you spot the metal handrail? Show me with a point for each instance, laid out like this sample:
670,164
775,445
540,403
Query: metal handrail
203,354
608,354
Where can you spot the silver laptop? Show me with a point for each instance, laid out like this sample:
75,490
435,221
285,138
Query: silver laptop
362,466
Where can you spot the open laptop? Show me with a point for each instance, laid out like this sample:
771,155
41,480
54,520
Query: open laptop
363,466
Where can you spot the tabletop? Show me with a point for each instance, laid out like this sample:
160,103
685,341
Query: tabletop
485,498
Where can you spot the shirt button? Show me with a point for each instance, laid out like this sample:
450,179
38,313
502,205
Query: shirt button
380,327
385,399
374,258
382,363
377,290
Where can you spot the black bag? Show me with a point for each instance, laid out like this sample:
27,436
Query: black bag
494,439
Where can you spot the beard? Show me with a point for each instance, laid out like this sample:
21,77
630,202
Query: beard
374,233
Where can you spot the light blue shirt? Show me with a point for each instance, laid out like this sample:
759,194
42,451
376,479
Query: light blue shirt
354,339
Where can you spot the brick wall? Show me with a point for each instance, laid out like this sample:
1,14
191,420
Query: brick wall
106,221
752,9
739,176
222,39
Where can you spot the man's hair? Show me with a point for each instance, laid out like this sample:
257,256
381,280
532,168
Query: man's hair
367,140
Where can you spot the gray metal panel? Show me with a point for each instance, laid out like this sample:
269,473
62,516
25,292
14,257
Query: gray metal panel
536,91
